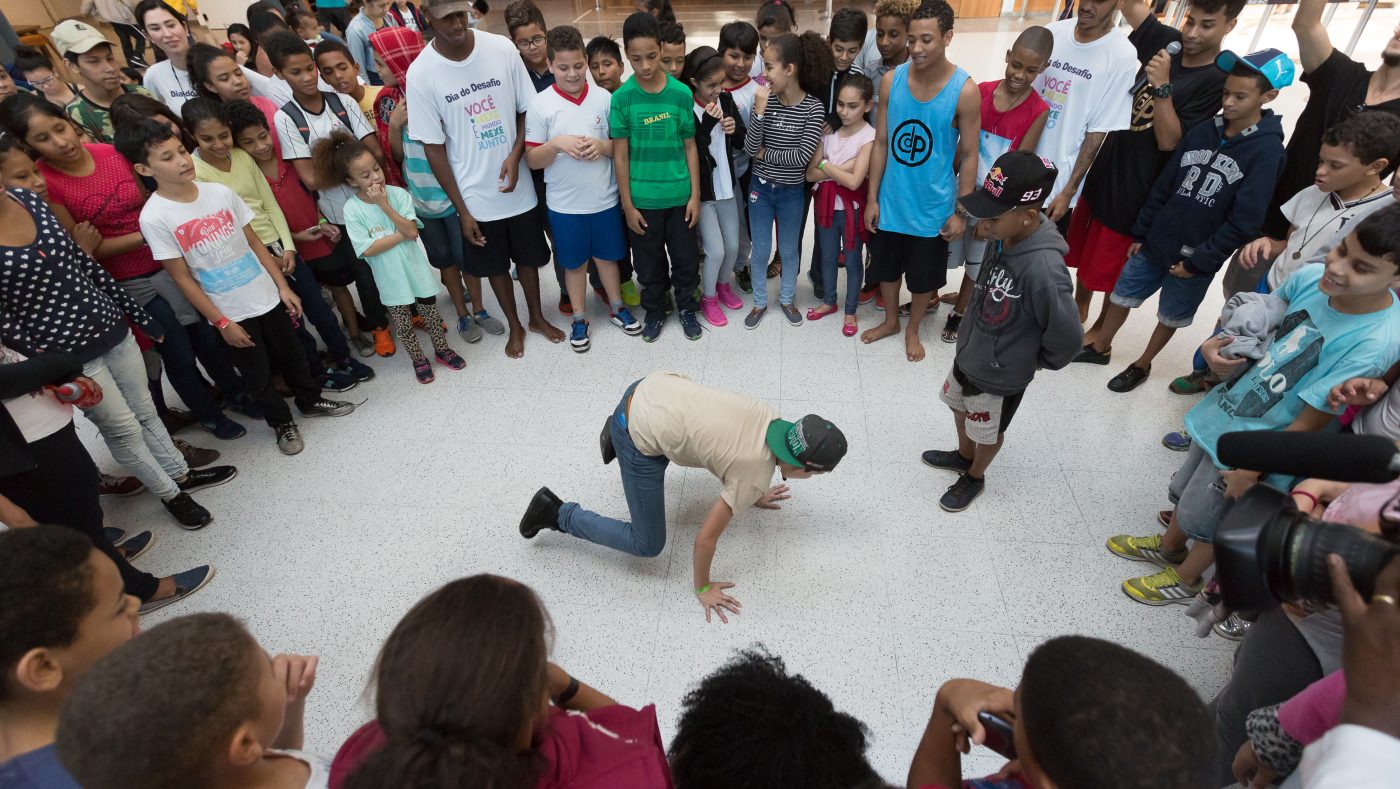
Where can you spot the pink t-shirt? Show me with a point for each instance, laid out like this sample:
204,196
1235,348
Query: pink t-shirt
603,748
111,200
1316,710
1360,505
839,150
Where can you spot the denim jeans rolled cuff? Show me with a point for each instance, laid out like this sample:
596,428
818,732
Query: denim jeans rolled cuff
1180,297
128,421
643,482
775,207
830,240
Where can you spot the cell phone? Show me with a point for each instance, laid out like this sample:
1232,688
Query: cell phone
1000,734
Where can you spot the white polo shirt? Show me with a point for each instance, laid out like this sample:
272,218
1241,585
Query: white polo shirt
575,186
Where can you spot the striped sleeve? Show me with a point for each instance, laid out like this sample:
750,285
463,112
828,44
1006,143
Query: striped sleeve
790,139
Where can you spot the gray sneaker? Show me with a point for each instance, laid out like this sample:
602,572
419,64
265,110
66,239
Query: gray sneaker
363,345
755,315
289,439
468,330
328,408
794,318
490,324
186,584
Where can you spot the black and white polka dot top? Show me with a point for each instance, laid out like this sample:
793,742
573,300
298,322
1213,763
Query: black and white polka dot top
55,297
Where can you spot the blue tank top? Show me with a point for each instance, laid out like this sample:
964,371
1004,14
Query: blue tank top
919,185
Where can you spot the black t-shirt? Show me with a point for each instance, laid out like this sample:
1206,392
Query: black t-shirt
1337,88
1119,183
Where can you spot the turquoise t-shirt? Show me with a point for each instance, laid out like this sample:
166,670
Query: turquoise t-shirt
401,273
1314,349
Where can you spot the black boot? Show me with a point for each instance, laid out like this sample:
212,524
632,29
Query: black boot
543,513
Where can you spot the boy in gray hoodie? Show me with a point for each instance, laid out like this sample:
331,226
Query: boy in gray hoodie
1022,317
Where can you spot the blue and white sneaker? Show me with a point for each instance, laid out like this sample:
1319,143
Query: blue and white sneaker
358,370
222,427
186,584
1177,442
690,325
337,381
578,337
624,320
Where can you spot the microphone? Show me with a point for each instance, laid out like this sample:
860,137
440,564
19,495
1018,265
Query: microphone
1172,48
1335,456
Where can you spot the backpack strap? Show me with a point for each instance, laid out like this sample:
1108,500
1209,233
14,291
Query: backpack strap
338,107
298,117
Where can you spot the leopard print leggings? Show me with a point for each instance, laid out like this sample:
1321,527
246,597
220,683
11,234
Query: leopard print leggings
402,315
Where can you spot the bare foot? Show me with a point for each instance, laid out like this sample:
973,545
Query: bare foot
1090,337
913,349
515,344
950,297
885,329
542,326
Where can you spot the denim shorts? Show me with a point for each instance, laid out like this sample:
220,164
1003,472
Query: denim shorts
443,240
581,237
1180,298
1198,491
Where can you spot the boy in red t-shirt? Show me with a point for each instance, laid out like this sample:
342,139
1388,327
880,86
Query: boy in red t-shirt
1013,116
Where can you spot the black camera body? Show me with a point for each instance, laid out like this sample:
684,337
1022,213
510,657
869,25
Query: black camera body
1266,552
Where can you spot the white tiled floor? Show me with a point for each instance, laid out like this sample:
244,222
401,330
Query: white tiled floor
861,582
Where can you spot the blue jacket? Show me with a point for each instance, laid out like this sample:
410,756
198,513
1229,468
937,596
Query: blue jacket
1212,196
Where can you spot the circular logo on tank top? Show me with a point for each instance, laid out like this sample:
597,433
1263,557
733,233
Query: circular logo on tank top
913,143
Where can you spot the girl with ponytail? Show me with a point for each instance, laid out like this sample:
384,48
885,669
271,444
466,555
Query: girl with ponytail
466,697
784,130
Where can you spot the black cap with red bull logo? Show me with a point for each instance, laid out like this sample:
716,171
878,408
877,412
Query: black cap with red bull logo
1017,178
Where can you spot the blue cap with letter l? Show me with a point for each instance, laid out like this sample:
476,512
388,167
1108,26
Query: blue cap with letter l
1276,67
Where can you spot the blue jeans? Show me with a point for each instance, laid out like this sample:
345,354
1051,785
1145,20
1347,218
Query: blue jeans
179,349
128,421
1180,298
644,483
829,241
779,204
318,313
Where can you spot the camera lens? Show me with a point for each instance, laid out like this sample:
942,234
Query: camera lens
1311,541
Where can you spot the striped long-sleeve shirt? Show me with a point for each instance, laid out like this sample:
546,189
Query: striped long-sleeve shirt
788,137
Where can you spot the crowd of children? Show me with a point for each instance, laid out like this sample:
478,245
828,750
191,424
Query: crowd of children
203,223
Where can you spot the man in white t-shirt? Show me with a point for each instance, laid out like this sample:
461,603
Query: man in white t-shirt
202,234
467,96
1087,84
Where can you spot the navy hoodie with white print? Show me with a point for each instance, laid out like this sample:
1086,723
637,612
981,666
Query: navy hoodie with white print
1213,195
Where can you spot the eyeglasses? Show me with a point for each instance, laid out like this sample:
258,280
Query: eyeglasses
530,43
43,83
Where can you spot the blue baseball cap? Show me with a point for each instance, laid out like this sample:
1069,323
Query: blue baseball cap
1276,67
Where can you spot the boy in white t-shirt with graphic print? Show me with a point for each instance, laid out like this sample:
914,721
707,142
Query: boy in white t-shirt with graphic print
202,234
566,136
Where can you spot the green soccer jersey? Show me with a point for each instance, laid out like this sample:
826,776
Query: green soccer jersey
95,119
656,126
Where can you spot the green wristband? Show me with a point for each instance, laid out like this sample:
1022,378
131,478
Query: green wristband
703,589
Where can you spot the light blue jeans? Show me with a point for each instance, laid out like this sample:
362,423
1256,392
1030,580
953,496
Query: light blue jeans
775,204
719,236
643,482
128,421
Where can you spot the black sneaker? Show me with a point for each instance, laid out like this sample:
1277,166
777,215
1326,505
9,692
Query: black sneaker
962,493
949,459
652,330
744,280
543,513
1090,356
951,326
335,380
690,325
187,512
207,477
328,408
1129,379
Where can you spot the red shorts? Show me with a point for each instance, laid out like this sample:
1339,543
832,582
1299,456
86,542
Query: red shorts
1097,252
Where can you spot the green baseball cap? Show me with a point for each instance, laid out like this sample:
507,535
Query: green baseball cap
810,443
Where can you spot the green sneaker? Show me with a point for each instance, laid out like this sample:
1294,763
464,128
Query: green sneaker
1162,588
1145,549
630,296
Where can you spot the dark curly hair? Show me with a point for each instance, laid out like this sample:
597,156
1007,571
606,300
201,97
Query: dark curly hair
809,53
240,115
752,725
937,10
46,583
1369,136
331,156
1379,234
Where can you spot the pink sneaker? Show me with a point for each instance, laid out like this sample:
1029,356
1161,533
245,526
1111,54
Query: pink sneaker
727,297
709,307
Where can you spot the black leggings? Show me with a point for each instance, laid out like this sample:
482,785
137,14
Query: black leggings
62,490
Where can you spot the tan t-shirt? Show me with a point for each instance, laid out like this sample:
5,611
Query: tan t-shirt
699,427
